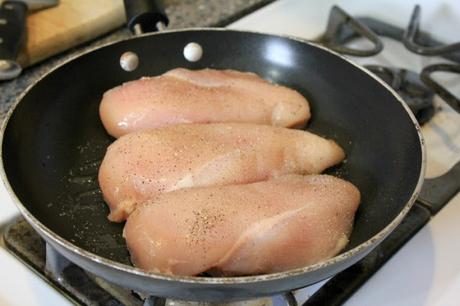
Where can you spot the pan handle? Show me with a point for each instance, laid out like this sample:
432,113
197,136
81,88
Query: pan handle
145,16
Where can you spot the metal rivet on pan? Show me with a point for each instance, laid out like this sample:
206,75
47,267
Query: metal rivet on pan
129,61
1,40
2,21
193,52
9,69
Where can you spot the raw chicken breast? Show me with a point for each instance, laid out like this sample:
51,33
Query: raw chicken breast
203,96
265,227
139,166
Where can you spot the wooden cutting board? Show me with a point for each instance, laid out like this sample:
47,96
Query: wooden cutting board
72,22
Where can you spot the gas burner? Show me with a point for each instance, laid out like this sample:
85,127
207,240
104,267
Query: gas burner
407,83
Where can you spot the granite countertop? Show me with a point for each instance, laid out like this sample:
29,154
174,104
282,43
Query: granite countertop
182,14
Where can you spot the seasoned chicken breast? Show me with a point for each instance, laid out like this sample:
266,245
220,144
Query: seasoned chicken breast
141,165
202,96
264,227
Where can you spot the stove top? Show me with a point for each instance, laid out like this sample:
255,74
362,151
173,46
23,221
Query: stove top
425,271
356,29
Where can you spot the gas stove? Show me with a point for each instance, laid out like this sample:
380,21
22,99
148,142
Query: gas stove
425,268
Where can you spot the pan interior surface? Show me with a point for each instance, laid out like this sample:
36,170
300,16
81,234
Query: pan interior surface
54,140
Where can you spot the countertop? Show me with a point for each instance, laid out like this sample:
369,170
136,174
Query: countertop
182,14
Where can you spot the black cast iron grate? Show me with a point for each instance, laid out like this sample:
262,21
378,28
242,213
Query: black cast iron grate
343,28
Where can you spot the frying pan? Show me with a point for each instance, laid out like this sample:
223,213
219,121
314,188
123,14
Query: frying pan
53,142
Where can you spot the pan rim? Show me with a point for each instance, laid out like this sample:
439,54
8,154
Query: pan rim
111,264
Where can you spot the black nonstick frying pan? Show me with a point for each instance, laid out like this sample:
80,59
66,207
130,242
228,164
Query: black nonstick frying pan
53,141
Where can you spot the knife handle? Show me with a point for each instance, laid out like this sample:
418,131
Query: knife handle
144,15
12,34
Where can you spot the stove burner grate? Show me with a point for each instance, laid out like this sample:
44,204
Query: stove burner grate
343,28
423,44
408,85
443,92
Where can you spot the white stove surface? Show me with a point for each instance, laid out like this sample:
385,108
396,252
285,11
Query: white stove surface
426,271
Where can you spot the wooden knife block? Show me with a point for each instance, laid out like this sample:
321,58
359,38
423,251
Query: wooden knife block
72,22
